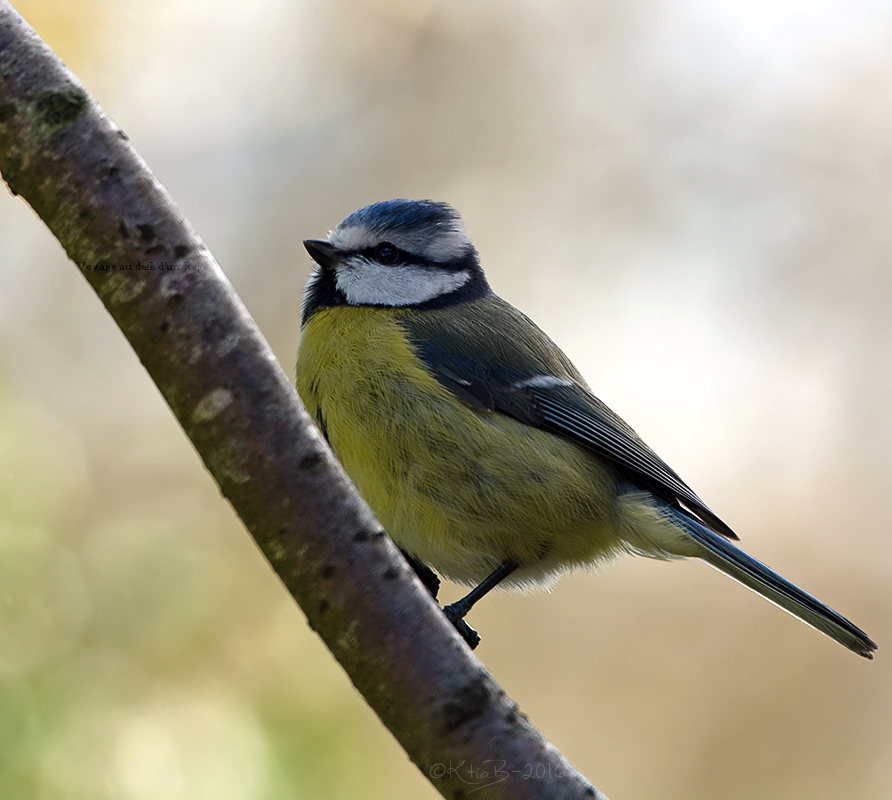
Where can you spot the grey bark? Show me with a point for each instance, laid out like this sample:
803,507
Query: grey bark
83,178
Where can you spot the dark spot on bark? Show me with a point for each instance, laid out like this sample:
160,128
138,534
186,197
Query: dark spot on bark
181,250
146,233
324,605
328,570
309,461
152,250
365,536
391,574
467,704
165,326
122,229
10,172
7,110
174,300
60,108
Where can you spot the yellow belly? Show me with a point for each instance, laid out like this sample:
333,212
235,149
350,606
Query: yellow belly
458,488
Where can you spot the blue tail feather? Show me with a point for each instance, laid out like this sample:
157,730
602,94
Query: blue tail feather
722,554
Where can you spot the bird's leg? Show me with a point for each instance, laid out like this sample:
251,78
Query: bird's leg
455,612
425,574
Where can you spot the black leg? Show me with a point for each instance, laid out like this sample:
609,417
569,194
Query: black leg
425,574
455,612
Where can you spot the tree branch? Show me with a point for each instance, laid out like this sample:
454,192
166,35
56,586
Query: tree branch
79,173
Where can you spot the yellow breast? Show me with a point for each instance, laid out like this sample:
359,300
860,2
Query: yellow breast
459,488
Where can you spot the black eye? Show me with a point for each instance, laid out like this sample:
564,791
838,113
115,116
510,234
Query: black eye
386,253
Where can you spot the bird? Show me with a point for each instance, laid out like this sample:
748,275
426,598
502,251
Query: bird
477,443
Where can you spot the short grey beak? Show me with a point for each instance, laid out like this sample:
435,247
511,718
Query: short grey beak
323,252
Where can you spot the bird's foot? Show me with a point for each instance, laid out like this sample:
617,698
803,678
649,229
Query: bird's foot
456,617
425,574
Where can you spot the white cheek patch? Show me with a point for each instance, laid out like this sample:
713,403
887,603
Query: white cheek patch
368,283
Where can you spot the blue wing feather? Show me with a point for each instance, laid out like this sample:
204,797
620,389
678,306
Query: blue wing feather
503,365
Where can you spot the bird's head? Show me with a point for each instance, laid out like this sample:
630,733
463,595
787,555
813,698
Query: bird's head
395,253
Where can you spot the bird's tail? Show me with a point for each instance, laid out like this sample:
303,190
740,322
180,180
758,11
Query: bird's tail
721,554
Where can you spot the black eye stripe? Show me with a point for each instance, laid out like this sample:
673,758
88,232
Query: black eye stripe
465,261
383,253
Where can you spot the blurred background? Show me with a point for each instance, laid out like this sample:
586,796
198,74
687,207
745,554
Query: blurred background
691,196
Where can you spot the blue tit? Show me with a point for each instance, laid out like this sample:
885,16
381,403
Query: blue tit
474,439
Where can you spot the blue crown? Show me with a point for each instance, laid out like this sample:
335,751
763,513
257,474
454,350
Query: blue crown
403,216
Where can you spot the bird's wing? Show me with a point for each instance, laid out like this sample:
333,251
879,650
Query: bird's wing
508,365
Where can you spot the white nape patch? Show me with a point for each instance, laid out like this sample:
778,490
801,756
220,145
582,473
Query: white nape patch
366,282
544,382
437,244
